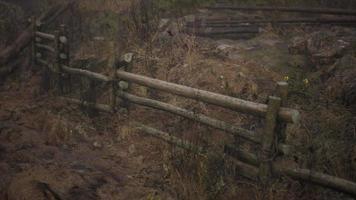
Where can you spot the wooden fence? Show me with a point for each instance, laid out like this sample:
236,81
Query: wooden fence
276,114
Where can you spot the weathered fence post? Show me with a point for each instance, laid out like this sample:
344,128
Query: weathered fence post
268,147
36,26
63,59
125,64
114,82
56,61
40,54
282,92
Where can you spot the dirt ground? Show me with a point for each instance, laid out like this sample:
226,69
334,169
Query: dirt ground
50,149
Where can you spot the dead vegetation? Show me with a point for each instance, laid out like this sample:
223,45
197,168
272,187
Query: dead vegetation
326,136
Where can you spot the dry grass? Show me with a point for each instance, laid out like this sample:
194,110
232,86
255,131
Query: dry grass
179,59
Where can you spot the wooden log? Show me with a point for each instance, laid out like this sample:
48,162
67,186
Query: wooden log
245,170
214,123
249,157
286,9
86,73
257,109
24,38
247,29
299,173
170,139
244,156
99,107
221,125
251,172
42,62
268,138
317,178
241,168
45,35
240,22
46,47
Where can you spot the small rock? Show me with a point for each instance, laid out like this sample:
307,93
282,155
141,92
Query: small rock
97,145
132,149
298,46
163,23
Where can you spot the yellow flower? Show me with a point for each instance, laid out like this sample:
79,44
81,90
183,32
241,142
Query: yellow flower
286,78
306,81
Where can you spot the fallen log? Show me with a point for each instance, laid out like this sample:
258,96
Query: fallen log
248,107
99,107
285,9
25,37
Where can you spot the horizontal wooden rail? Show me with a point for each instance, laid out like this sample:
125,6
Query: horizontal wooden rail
100,107
285,9
170,139
86,73
243,169
42,62
257,109
251,171
297,173
233,31
289,115
45,35
46,47
240,132
242,155
212,22
317,178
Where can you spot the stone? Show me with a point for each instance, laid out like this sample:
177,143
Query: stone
97,145
325,49
132,149
322,48
298,46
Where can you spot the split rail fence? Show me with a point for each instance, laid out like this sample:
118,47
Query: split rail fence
275,113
